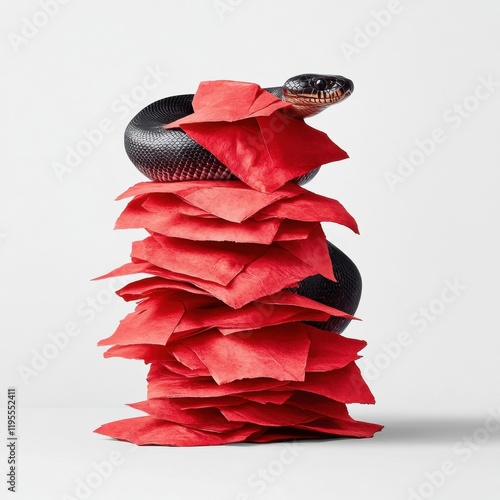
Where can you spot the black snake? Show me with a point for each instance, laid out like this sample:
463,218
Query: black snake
171,155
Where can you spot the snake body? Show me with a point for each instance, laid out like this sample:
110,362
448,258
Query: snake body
167,155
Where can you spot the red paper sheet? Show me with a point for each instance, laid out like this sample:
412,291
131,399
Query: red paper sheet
147,286
205,419
253,282
241,398
235,202
218,262
260,144
154,320
271,352
269,415
149,430
167,384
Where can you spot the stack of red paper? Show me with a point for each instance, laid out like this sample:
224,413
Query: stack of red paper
231,357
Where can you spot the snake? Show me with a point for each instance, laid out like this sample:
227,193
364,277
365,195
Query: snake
170,155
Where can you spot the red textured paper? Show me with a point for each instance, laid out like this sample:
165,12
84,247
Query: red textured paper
232,356
250,134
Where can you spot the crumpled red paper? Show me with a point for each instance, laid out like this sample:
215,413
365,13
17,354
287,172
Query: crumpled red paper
291,242
248,130
231,356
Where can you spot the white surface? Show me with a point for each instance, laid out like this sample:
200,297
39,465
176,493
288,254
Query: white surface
437,226
58,452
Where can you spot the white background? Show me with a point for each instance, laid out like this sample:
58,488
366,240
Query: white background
438,224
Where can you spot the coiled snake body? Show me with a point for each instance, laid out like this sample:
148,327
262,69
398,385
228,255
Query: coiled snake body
171,155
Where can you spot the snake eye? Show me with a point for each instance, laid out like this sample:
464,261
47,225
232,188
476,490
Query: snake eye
320,84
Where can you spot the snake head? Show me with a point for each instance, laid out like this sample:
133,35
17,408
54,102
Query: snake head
310,93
